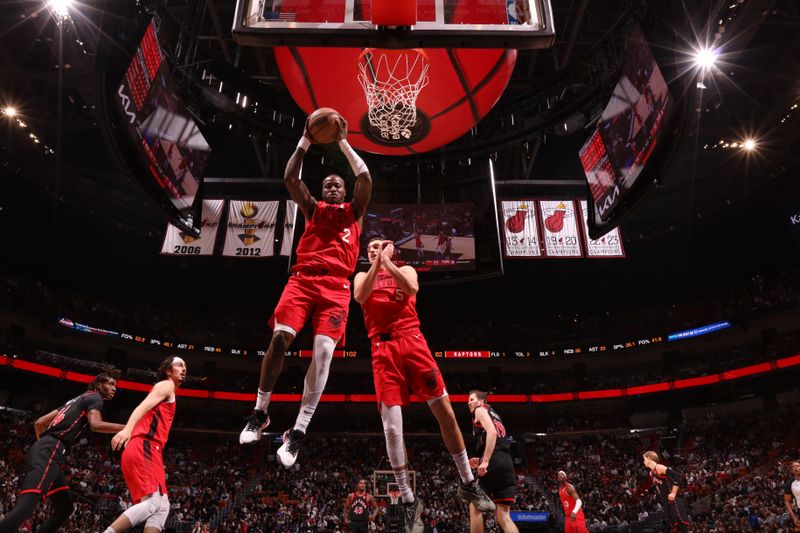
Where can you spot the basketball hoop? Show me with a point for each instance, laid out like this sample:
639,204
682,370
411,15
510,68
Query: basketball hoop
393,490
392,81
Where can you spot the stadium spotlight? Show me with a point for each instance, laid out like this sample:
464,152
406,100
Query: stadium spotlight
705,58
60,8
10,111
749,145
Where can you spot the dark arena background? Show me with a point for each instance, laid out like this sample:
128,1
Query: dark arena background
600,200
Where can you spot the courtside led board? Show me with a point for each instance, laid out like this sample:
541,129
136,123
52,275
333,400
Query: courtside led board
439,24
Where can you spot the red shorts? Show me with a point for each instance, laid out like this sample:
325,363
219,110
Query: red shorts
404,363
325,298
143,468
575,526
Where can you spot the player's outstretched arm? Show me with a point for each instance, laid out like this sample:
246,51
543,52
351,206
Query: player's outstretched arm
405,276
363,189
483,418
42,422
98,425
161,391
291,178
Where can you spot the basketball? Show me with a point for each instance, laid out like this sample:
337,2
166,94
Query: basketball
323,125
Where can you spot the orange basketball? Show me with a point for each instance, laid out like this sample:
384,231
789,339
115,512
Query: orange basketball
323,125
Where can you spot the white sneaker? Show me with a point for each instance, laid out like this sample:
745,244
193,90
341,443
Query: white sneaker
256,424
287,453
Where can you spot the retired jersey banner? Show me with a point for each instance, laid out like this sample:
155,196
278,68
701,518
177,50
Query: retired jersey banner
177,242
560,228
521,228
288,228
251,229
609,245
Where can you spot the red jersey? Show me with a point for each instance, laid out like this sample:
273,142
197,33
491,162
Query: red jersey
156,423
330,241
568,502
388,309
418,237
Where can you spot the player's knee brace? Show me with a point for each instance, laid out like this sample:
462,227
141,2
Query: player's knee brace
143,510
159,518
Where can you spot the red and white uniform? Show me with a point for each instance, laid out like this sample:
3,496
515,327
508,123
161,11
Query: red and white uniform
326,256
142,462
401,359
568,503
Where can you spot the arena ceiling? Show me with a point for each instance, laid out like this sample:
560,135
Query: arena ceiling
53,76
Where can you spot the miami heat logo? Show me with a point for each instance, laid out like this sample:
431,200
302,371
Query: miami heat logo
431,379
337,319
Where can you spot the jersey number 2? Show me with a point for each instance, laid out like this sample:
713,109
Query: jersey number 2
346,235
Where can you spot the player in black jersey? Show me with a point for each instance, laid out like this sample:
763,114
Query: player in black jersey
667,482
791,491
494,464
55,432
357,507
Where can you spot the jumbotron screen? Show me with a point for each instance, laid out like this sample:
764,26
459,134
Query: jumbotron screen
175,152
429,237
627,132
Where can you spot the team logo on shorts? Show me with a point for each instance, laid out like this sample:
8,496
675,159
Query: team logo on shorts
337,319
431,380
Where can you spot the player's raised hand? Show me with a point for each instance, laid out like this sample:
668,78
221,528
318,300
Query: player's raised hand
121,439
342,129
388,251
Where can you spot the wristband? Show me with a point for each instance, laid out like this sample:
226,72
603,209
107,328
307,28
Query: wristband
304,144
356,163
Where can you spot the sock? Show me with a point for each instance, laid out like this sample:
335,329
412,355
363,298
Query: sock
262,400
316,378
462,463
109,530
401,476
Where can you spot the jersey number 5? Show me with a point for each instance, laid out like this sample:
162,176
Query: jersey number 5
346,235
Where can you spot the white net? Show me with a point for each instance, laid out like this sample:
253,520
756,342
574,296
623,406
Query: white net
392,81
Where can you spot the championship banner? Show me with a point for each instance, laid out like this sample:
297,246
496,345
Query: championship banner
609,245
521,228
251,229
177,242
288,228
560,228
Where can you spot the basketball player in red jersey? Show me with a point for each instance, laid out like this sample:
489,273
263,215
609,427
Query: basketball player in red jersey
318,288
357,505
401,360
55,432
574,519
143,438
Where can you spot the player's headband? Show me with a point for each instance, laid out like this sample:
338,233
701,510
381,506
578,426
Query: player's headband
175,360
562,472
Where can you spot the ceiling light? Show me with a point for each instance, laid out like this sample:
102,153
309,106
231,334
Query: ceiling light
749,145
9,111
705,58
60,8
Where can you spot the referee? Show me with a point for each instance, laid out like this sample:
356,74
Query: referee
55,432
495,467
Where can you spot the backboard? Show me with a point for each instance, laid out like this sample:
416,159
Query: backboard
439,24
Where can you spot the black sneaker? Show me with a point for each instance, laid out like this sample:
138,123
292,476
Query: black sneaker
413,516
287,453
475,495
256,424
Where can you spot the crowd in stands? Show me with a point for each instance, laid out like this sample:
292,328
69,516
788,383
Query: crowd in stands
505,329
733,471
